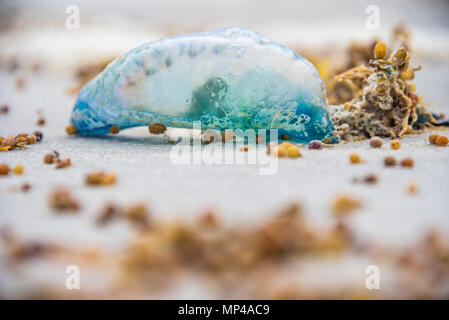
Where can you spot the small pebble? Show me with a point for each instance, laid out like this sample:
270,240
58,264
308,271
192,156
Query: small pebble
407,163
442,141
433,138
49,158
4,169
286,149
60,199
369,179
114,129
390,161
412,188
70,129
395,144
315,145
293,152
108,214
25,187
4,109
64,163
17,169
40,121
345,204
157,128
20,83
355,158
38,135
376,142
100,178
36,67
380,50
280,152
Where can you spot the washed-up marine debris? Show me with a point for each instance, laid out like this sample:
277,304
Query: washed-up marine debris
358,53
228,79
20,141
385,103
237,79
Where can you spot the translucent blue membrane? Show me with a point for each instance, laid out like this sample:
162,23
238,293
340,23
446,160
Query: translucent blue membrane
227,79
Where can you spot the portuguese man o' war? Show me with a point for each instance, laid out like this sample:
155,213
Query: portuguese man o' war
227,79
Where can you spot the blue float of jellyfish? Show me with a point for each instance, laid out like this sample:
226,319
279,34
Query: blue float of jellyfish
227,79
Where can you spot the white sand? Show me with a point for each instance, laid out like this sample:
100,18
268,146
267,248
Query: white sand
238,193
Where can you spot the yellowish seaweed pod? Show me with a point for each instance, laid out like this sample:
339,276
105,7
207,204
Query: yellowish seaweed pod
380,50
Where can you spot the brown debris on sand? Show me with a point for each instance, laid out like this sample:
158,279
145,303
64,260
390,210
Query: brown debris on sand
19,141
384,103
358,54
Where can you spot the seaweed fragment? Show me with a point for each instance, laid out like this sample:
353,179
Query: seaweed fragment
384,102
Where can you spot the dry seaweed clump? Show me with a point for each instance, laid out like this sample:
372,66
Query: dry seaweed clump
385,104
19,141
358,54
